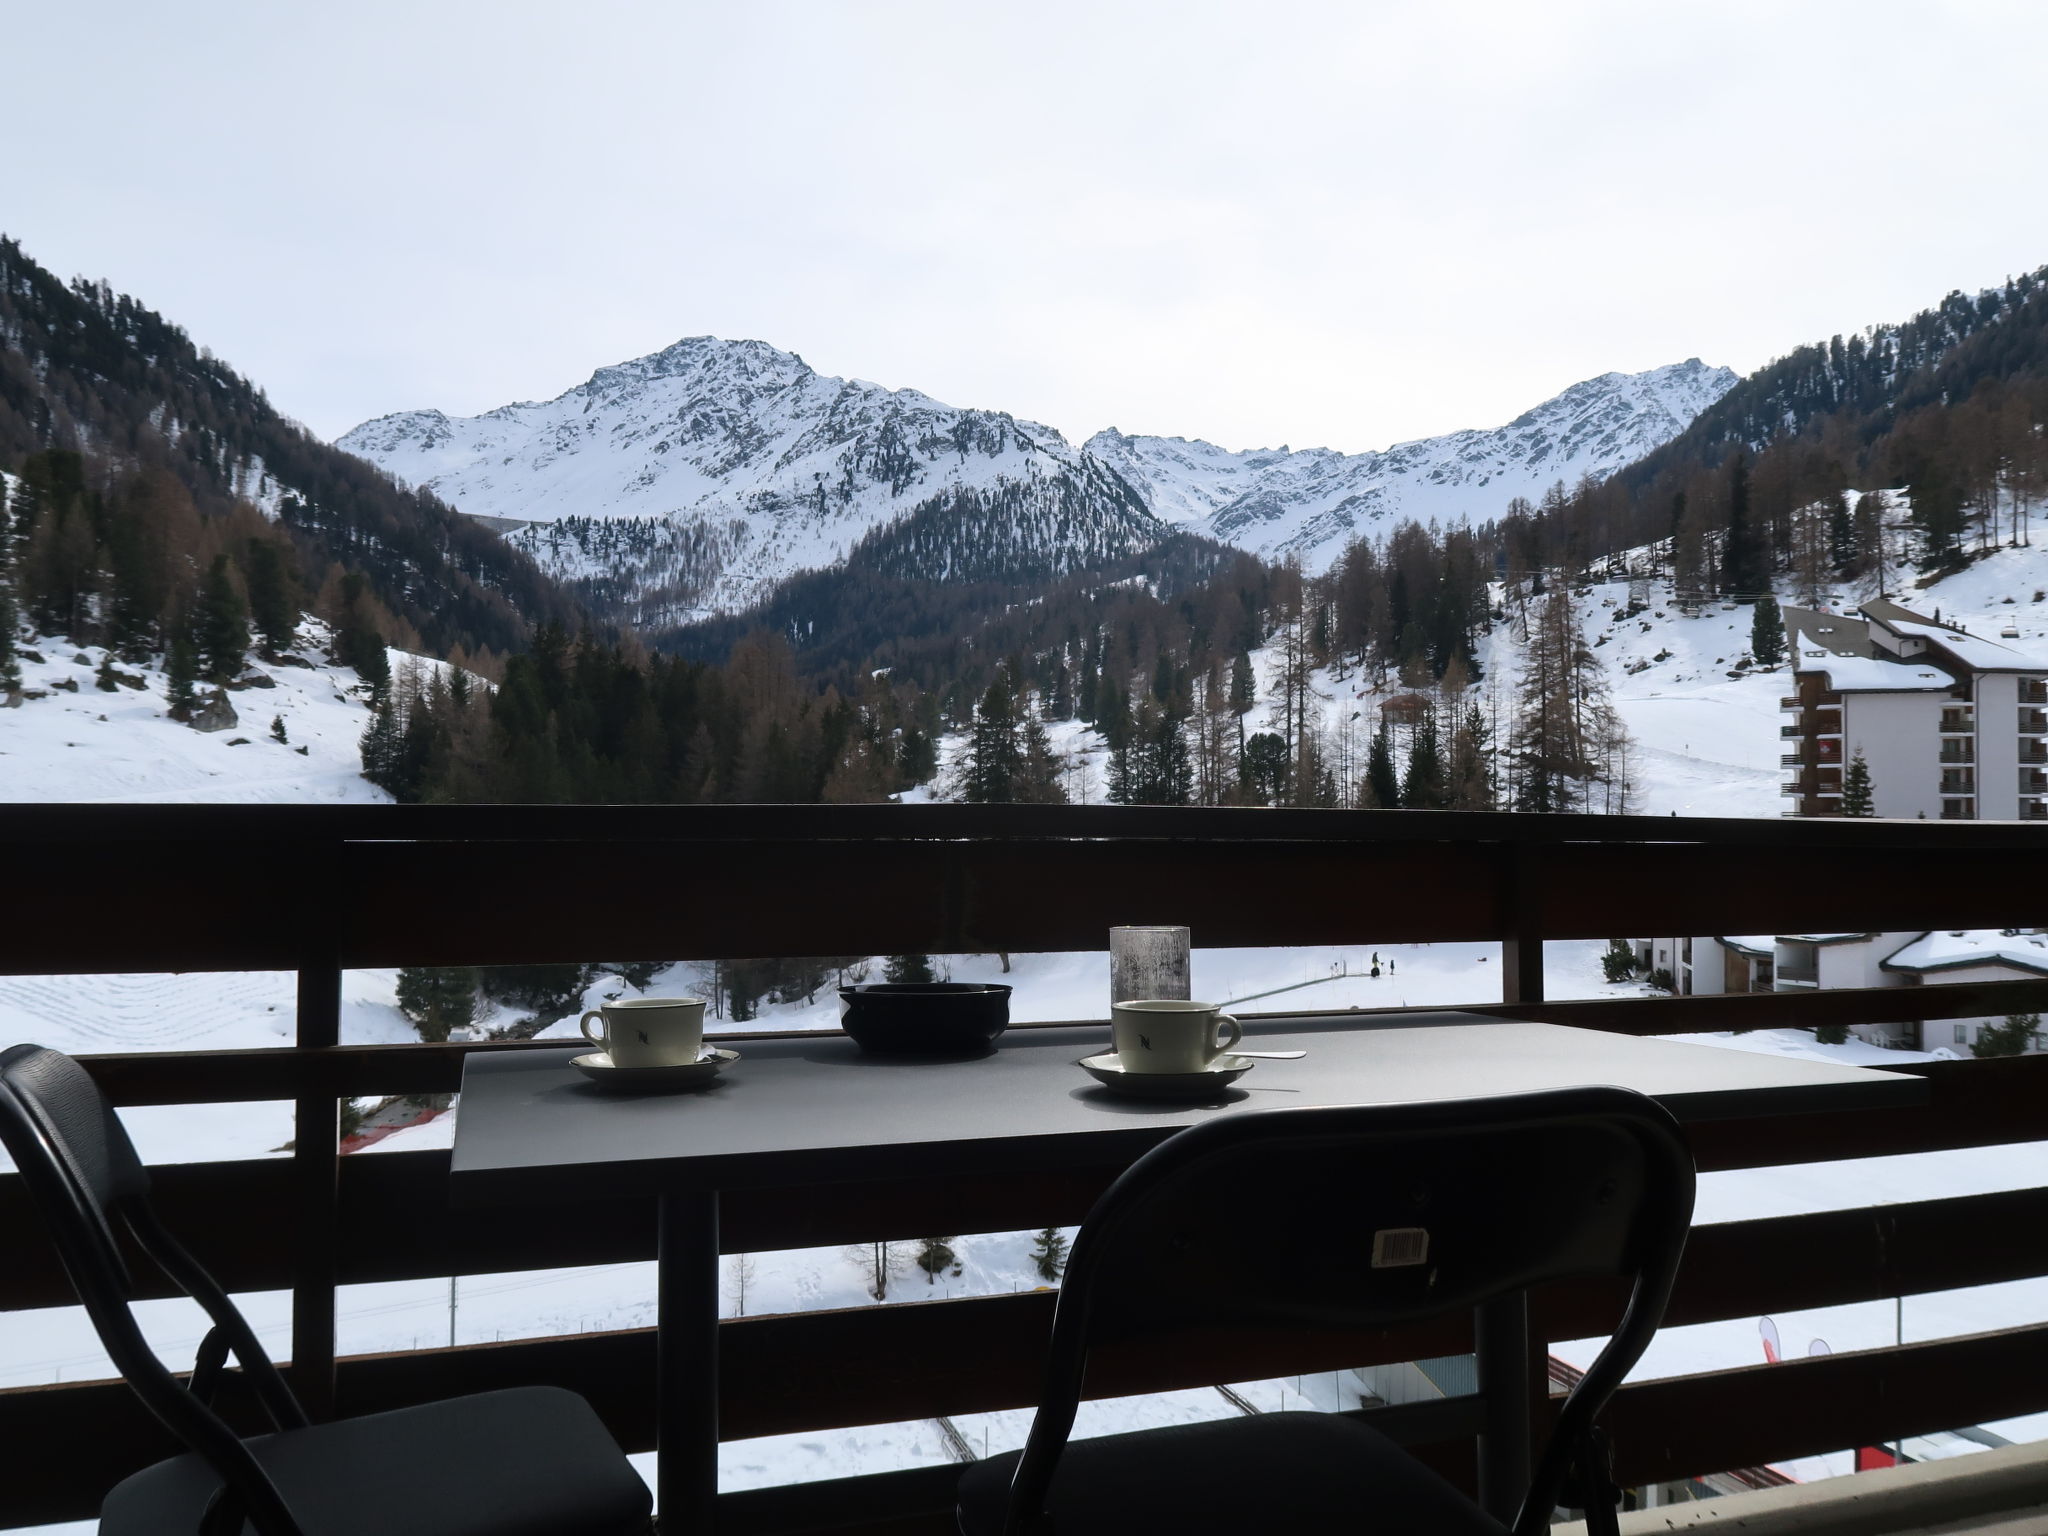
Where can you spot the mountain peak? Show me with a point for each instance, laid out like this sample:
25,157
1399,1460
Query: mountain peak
1312,502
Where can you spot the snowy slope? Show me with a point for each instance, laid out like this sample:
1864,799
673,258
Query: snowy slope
91,745
714,468
1311,502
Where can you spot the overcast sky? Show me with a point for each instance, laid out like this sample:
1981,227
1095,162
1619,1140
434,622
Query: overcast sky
1257,223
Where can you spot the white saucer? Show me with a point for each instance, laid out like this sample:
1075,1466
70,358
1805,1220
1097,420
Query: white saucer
1108,1070
701,1073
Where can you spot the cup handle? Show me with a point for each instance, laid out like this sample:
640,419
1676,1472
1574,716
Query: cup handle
596,1040
1236,1033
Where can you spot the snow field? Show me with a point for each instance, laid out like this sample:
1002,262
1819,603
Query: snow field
91,746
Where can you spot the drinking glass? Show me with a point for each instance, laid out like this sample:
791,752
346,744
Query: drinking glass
1148,962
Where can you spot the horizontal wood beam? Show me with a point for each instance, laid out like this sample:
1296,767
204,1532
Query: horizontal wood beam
1687,1426
882,879
232,1213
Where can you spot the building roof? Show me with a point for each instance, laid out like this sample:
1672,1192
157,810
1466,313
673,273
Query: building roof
1825,938
1866,674
1834,634
1956,948
1758,946
1969,651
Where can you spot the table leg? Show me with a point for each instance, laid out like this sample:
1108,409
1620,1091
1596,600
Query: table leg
686,1368
1500,1333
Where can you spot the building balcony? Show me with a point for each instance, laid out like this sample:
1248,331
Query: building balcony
1958,722
2034,810
939,880
1791,701
2033,690
1959,751
1791,732
1791,759
2033,722
1959,809
1959,781
2033,752
2033,782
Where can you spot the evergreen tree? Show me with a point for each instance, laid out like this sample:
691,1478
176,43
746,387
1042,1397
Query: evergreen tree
934,1256
438,998
381,747
273,607
1049,1254
1244,691
181,670
1379,771
103,674
1471,766
994,762
223,623
2011,1038
1038,772
1743,569
1856,793
1265,769
277,731
1767,633
1424,786
903,969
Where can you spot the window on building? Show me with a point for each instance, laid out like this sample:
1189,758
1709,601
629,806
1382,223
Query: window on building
1962,1034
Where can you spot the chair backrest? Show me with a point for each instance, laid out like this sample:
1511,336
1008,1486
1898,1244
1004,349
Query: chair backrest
1321,1219
82,1172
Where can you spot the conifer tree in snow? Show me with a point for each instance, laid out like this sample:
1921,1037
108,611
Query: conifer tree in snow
994,760
1470,763
10,618
1856,792
1380,781
1767,633
272,606
1744,562
903,969
1039,768
1049,1254
1424,787
181,671
223,627
277,731
437,998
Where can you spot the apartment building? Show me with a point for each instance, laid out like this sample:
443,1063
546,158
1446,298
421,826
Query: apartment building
1788,962
1951,725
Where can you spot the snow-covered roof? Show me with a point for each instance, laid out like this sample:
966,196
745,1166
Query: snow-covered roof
1951,949
1825,938
1978,654
1864,674
1760,945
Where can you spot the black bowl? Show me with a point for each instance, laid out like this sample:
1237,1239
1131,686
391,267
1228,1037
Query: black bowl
925,1018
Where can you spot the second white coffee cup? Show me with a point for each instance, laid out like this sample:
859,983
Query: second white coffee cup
1170,1035
649,1031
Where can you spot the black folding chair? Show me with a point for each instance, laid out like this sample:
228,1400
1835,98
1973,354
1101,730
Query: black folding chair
526,1461
1314,1220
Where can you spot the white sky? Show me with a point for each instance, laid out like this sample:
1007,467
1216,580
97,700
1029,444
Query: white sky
1254,222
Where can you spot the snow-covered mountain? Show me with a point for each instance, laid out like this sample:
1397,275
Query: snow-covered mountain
693,479
1310,502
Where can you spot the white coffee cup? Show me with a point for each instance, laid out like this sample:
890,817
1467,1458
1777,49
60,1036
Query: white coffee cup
1169,1035
649,1031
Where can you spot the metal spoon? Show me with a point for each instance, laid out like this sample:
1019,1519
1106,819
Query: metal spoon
1268,1055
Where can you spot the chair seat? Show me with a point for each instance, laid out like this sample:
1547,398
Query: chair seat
1270,1472
529,1461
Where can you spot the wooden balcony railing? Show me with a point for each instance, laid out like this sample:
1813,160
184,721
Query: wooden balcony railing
510,885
